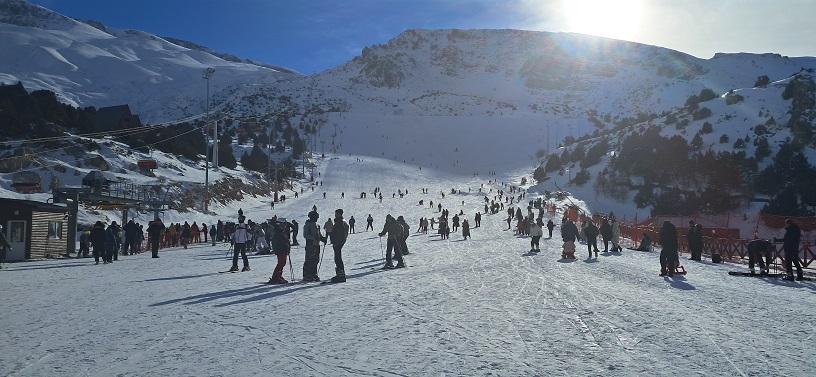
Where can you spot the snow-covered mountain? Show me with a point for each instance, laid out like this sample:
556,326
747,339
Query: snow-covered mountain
462,101
88,64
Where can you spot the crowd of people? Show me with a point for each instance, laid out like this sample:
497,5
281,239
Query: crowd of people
277,236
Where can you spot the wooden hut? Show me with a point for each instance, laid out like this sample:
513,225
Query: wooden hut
34,229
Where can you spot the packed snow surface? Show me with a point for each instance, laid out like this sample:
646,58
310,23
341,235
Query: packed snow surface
483,306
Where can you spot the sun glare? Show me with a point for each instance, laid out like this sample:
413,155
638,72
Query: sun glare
617,19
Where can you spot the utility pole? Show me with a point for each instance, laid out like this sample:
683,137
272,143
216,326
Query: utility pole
207,76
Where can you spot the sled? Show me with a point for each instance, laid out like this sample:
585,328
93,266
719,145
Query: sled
679,270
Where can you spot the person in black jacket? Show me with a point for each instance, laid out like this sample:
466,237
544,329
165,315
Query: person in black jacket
394,231
132,239
550,226
790,243
591,232
668,254
98,237
154,233
338,236
606,234
112,242
281,247
569,233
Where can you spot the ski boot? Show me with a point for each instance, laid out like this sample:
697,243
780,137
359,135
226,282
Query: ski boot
233,269
245,269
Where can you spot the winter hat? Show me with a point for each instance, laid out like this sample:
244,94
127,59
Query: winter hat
339,211
113,223
313,215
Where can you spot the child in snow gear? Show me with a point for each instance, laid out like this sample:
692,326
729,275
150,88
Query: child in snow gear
394,231
240,237
338,235
790,243
669,259
311,232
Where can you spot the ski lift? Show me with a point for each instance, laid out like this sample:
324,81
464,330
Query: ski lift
148,163
26,182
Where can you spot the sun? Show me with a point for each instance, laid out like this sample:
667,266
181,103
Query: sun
617,19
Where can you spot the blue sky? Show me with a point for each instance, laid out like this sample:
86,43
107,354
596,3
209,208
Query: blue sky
314,35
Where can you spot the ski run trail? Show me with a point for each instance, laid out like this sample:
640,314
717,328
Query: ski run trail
478,307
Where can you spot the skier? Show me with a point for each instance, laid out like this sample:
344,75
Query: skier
394,231
550,226
213,233
240,237
668,254
790,243
328,226
311,232
339,234
351,224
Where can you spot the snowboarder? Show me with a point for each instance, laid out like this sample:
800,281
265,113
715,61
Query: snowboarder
757,251
668,254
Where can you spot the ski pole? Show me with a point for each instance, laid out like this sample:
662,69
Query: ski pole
381,249
291,269
321,258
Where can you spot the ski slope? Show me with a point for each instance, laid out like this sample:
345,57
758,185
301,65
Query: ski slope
476,307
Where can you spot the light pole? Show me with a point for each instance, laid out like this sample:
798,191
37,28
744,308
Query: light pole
207,76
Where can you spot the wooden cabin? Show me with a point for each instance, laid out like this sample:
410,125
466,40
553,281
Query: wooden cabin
34,229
